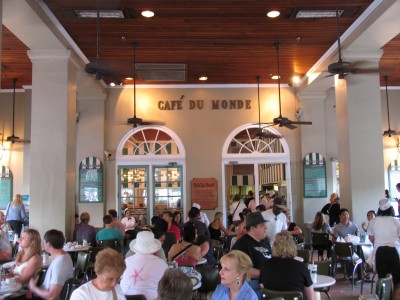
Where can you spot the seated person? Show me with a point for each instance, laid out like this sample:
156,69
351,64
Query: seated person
28,261
160,227
282,272
144,269
185,253
168,216
293,229
84,231
175,285
109,233
60,269
216,226
109,267
5,227
5,248
345,227
370,215
128,221
319,225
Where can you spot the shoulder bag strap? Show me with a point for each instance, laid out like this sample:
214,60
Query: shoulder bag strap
236,208
8,207
180,252
114,294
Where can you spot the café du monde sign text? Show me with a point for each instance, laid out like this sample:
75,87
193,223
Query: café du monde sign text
203,104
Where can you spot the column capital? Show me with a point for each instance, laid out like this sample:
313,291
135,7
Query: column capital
49,54
367,55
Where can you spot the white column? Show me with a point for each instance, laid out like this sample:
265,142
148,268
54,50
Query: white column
52,174
359,135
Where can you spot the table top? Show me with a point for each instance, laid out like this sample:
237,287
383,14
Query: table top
76,248
5,288
324,281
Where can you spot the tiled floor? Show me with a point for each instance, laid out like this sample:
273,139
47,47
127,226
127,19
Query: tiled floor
342,289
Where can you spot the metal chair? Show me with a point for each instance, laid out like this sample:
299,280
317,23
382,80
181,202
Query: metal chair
92,257
82,264
365,253
135,297
320,242
344,253
109,244
69,286
304,254
286,295
384,287
324,268
209,279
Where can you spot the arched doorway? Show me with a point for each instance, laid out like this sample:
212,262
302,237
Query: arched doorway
256,164
150,164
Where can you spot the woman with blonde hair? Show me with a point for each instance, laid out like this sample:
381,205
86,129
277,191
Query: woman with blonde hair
332,209
284,273
28,260
216,226
15,214
234,278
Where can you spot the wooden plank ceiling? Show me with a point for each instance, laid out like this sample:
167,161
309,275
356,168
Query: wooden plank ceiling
230,42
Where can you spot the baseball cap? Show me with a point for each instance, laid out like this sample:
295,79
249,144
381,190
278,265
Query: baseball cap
254,219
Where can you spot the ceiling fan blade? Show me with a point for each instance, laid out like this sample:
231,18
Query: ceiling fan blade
300,122
389,132
288,125
267,135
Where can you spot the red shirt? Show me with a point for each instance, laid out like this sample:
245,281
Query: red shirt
175,230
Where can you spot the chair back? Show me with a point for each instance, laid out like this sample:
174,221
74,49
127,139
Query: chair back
81,267
135,297
304,254
69,286
384,287
343,249
319,240
324,267
109,244
286,295
209,278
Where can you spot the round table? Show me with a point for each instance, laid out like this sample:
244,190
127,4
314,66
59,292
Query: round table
324,281
76,248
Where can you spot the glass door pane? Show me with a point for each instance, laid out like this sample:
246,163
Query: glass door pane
167,189
133,182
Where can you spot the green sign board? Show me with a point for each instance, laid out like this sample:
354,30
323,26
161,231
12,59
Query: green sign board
314,174
6,185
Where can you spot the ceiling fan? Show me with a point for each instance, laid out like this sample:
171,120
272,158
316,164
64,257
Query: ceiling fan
135,121
388,132
282,121
261,133
99,69
341,67
13,139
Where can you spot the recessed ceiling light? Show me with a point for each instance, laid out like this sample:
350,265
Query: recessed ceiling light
112,84
148,14
273,14
203,78
275,77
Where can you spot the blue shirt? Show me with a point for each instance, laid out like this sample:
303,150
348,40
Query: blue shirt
15,213
245,293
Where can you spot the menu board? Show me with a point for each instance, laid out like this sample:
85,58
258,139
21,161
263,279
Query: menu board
91,180
6,184
314,174
205,192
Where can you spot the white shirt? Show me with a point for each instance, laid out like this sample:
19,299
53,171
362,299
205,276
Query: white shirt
88,291
275,224
236,216
128,222
386,231
204,218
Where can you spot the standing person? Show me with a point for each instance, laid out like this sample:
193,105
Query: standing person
249,197
276,218
84,231
332,209
284,273
28,261
384,233
116,223
60,269
234,278
144,269
128,221
236,208
398,199
15,214
255,245
109,266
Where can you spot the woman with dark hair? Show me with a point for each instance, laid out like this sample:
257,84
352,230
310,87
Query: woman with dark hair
185,252
384,233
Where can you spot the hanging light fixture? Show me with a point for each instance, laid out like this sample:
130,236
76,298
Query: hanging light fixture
388,132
